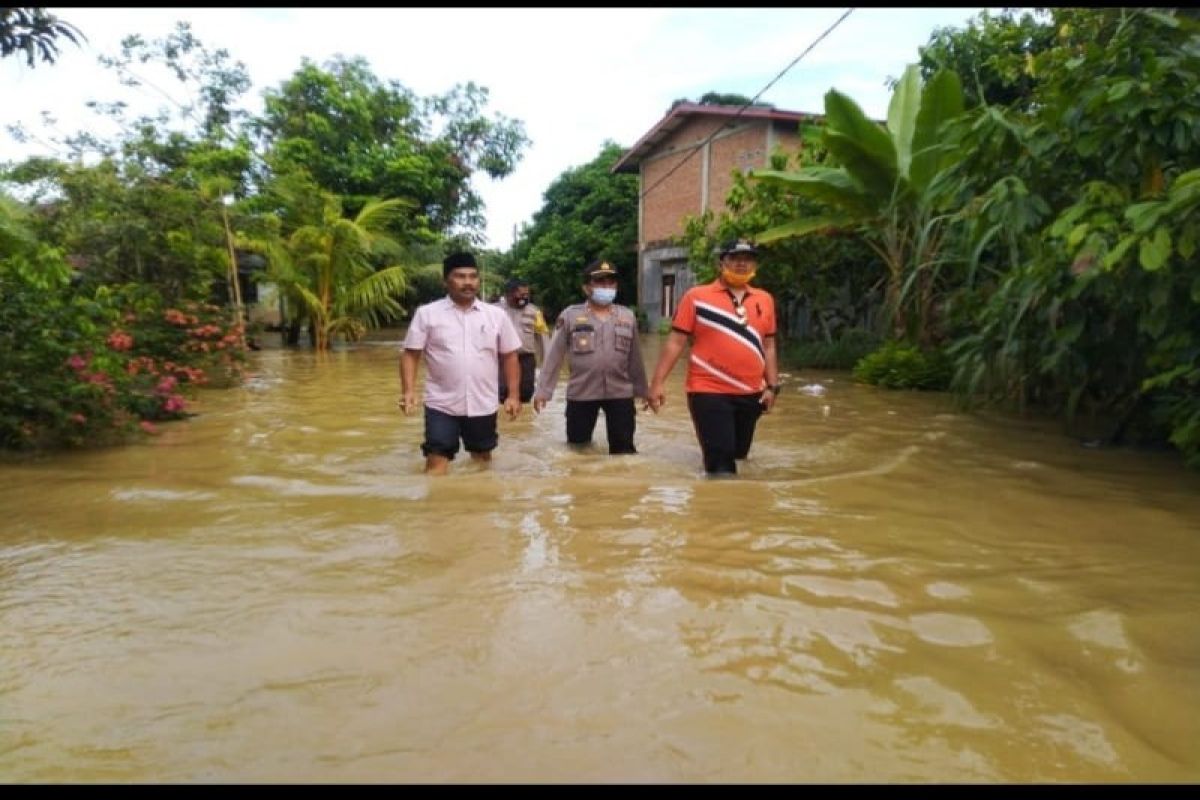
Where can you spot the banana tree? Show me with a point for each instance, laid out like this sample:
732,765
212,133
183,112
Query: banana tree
326,268
888,189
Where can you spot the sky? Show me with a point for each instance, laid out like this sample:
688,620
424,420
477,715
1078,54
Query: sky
575,77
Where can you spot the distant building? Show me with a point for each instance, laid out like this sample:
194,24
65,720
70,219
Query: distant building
742,141
261,300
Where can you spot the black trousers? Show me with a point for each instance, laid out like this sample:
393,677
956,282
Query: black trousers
725,427
528,364
620,422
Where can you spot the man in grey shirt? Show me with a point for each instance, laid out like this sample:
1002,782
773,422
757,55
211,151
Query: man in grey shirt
600,340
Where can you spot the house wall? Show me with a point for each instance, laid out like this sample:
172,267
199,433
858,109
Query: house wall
702,183
681,194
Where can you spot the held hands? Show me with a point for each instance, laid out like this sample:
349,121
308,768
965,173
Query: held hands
407,403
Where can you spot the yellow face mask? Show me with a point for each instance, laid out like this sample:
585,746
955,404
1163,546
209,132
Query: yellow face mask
737,279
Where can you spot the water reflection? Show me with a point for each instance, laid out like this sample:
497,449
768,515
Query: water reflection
889,591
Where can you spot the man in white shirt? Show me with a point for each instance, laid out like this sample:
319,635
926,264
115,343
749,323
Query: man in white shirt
461,337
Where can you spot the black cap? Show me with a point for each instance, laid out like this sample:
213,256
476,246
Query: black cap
599,268
738,246
456,260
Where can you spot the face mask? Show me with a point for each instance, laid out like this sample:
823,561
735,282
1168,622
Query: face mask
603,295
521,302
737,279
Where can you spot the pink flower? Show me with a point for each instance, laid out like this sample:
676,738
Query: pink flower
148,426
120,341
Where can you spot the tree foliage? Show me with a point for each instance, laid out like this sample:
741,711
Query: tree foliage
993,56
722,99
888,187
587,213
361,137
325,263
1085,230
209,82
34,32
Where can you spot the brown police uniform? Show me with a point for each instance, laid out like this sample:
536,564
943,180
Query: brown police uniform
532,329
607,372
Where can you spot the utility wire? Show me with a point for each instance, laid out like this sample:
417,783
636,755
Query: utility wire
774,80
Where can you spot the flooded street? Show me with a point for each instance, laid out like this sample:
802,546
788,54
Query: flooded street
889,591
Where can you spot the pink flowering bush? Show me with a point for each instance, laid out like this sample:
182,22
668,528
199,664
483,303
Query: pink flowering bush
78,370
173,350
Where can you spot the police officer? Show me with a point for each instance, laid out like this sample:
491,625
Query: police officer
600,340
531,326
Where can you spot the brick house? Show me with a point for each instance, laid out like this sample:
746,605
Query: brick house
738,141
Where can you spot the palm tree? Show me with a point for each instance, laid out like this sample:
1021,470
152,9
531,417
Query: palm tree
326,268
887,188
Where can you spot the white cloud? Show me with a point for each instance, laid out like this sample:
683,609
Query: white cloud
575,77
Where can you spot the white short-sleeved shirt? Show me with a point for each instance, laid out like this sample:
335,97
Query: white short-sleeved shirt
462,349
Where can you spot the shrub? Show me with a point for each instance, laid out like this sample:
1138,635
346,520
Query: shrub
899,365
78,370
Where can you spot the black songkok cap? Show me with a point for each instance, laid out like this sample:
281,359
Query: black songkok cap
456,260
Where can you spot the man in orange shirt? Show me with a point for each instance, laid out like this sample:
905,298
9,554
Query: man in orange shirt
733,370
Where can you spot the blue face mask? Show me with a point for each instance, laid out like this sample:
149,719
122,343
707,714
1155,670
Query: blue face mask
603,295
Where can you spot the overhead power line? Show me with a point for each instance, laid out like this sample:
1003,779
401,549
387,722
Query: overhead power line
774,80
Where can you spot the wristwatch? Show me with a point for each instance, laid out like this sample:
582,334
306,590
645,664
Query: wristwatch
774,388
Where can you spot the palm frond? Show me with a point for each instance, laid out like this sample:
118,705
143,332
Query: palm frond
374,296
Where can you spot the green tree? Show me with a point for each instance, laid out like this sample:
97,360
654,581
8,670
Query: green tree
993,55
132,209
209,82
34,32
325,263
887,189
360,137
587,213
139,216
1090,199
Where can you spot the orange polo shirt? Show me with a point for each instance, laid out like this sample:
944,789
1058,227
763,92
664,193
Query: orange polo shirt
727,356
